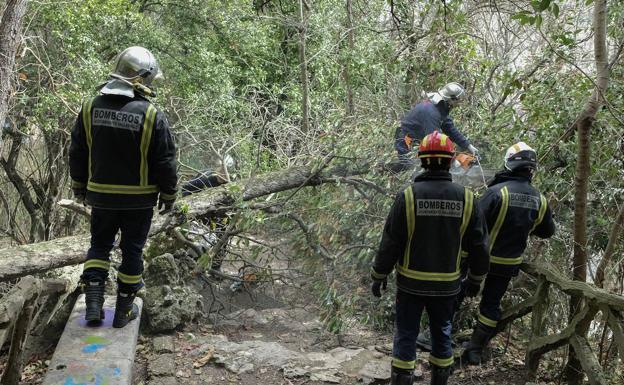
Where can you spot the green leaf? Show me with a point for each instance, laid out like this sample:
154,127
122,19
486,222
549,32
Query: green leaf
555,10
538,21
518,16
524,18
543,5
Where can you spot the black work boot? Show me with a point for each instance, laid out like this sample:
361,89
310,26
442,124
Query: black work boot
94,300
401,376
125,309
473,354
440,376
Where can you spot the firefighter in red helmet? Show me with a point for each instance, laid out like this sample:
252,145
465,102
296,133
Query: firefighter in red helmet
429,224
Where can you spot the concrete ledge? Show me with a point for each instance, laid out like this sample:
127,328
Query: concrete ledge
94,355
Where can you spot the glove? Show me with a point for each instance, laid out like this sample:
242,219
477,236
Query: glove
79,195
473,150
378,285
471,288
165,205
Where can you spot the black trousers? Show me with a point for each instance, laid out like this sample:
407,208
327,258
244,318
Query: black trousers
490,307
409,309
105,224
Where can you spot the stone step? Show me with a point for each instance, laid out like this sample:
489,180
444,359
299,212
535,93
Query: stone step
94,355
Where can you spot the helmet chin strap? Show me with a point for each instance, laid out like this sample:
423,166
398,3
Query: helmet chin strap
144,90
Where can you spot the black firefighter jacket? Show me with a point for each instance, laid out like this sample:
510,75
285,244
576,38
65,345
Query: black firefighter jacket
513,210
123,154
428,226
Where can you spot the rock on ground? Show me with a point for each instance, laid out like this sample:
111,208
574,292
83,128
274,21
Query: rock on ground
246,356
163,344
168,302
162,366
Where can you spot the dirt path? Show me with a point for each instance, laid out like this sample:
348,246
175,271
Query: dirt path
289,347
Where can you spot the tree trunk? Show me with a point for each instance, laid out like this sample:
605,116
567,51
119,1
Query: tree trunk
43,256
10,37
584,123
31,205
616,231
305,97
347,61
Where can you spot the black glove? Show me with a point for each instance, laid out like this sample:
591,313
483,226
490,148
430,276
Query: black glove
165,205
79,195
471,288
377,286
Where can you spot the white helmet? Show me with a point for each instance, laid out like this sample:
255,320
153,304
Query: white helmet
452,93
520,155
136,69
228,162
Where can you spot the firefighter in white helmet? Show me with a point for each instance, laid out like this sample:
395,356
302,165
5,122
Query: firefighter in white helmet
430,115
513,210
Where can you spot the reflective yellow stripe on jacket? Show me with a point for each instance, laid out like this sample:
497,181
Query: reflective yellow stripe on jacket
146,136
499,223
506,261
121,189
404,269
468,202
501,217
411,224
542,212
86,122
496,229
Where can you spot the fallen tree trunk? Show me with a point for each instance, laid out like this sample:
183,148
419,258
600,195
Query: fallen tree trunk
39,257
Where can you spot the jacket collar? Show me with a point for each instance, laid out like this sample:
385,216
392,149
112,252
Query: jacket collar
507,176
429,175
443,107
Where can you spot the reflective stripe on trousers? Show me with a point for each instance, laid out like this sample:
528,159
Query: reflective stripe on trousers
409,309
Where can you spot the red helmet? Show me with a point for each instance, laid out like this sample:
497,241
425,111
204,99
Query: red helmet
436,145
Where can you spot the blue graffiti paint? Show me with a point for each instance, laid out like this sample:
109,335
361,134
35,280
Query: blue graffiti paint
94,343
70,381
101,377
92,348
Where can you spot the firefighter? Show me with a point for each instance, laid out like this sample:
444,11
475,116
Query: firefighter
429,224
513,210
218,224
430,115
122,161
203,180
209,178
